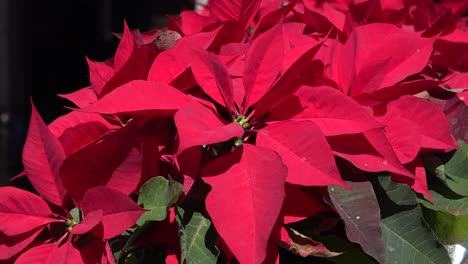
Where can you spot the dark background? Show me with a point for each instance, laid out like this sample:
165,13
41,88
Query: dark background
43,46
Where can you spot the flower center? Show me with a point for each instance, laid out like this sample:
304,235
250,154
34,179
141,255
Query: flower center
242,121
70,223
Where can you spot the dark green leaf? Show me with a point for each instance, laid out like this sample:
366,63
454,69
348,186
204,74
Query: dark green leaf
76,214
406,235
449,228
197,237
158,195
454,172
448,216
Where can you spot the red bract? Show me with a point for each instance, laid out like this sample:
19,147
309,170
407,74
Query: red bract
236,120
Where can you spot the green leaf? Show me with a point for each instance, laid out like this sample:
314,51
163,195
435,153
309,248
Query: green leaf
407,237
454,172
360,212
76,214
448,216
158,195
449,228
447,201
198,237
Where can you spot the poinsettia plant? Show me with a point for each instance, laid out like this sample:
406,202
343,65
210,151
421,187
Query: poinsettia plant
258,132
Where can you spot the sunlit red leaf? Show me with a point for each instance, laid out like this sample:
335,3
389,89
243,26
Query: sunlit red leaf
213,77
289,81
235,10
304,150
369,151
263,64
374,45
89,222
22,211
81,98
119,212
112,162
173,62
328,108
246,197
66,253
433,125
37,255
77,129
42,157
141,97
198,125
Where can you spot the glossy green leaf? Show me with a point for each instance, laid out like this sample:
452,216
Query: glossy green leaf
454,172
448,216
158,195
449,228
197,237
407,237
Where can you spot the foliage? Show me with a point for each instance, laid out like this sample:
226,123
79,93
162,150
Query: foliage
259,132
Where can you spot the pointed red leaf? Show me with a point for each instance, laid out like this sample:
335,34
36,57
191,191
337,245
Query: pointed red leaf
81,98
66,254
370,77
245,199
406,88
374,44
364,13
125,49
369,151
111,162
89,222
77,129
22,211
189,163
419,181
12,245
42,157
263,64
141,97
75,118
304,150
212,76
193,23
433,125
272,18
99,74
325,18
404,136
119,212
320,105
172,62
198,125
288,82
37,255
235,10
